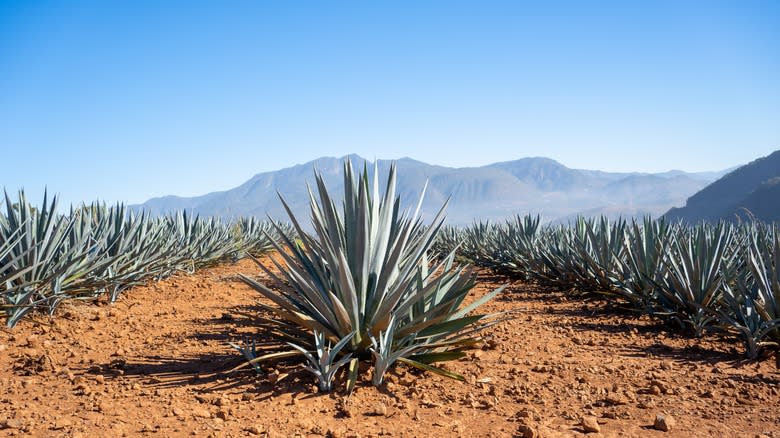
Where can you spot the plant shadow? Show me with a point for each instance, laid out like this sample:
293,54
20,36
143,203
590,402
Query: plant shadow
218,371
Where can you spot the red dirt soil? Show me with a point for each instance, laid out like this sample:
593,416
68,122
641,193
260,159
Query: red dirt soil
154,364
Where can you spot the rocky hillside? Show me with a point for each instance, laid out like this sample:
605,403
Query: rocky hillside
752,190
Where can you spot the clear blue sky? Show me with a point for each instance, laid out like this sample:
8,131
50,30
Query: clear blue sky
125,100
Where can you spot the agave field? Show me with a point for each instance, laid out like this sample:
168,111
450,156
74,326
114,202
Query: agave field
98,251
362,286
708,278
364,280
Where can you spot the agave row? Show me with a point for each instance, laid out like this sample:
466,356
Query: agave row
94,250
704,277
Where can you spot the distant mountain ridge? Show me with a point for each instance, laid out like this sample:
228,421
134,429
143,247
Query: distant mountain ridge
752,190
492,192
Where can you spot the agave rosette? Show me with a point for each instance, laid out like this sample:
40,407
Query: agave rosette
366,273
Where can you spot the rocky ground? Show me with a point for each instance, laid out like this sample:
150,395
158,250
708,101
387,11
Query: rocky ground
154,364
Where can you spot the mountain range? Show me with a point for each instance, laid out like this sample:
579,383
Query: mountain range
751,191
491,192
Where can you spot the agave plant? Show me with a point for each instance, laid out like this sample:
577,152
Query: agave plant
557,256
325,364
366,271
695,277
201,242
598,246
50,259
255,236
139,248
517,252
753,302
644,266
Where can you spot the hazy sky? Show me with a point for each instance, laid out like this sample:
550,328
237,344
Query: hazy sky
125,100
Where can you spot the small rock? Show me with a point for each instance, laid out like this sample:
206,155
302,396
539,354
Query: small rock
201,413
12,423
3,347
666,365
345,409
381,410
254,430
526,430
747,402
222,401
660,384
33,341
646,404
407,381
62,423
430,403
590,424
616,399
178,412
223,414
100,379
664,422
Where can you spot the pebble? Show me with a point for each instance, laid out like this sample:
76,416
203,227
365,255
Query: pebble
381,410
254,430
222,401
616,399
201,413
590,424
33,341
12,423
660,384
528,431
664,423
62,423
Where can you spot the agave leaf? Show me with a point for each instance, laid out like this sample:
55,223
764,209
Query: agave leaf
443,356
451,326
266,357
353,375
433,369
